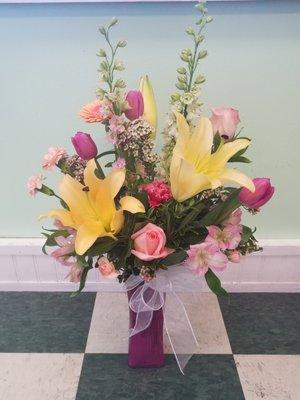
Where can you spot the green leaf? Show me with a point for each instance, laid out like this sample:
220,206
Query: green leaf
64,204
214,284
222,211
191,216
46,190
174,258
240,159
50,238
105,153
82,281
101,246
246,234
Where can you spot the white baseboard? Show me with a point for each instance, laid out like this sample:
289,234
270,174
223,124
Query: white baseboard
23,267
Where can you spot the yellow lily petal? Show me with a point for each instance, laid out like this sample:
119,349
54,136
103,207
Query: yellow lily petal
90,178
131,204
72,193
186,182
233,175
118,222
63,216
115,181
226,151
150,112
87,234
194,169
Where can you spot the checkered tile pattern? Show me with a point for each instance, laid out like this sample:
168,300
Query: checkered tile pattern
53,347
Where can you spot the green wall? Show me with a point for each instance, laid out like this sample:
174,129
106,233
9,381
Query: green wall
48,70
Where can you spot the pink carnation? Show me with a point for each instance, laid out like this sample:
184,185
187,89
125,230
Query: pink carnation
120,163
34,183
203,256
52,157
158,192
96,111
224,239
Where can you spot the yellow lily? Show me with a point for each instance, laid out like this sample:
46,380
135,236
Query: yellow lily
93,213
194,168
150,111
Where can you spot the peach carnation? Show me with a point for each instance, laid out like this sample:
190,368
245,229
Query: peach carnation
96,111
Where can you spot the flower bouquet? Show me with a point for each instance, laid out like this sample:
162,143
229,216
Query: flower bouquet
157,223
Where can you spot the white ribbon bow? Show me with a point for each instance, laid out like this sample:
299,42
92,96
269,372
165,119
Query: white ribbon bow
162,293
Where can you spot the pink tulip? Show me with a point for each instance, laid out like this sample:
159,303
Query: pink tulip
263,193
136,104
84,145
149,243
224,121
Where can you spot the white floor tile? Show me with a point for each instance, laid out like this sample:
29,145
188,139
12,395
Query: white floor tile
39,376
109,327
269,377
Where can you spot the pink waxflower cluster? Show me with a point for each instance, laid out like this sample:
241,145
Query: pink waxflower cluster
51,158
211,253
158,192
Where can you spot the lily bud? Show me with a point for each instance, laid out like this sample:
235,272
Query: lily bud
150,112
84,145
136,104
262,194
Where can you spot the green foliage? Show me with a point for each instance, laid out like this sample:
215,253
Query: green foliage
214,283
86,267
101,246
109,64
50,237
222,210
172,259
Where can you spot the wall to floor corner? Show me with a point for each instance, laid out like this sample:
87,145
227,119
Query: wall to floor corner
49,70
24,267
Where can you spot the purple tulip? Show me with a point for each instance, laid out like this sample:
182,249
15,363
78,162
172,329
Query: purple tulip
263,193
84,145
136,104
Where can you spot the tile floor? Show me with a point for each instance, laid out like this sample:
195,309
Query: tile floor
53,347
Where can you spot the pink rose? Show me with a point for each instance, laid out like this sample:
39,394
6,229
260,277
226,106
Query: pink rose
158,192
203,256
52,157
224,121
34,184
106,268
149,243
262,194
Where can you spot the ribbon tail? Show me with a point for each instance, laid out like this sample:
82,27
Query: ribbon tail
179,330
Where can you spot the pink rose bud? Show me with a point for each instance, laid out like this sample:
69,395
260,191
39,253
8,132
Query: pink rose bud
136,104
149,243
84,145
224,121
234,256
107,268
263,193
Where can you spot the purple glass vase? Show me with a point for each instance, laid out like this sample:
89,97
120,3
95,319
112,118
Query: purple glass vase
146,348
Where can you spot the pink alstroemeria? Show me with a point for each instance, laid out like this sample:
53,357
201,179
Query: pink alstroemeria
52,157
203,256
234,256
66,248
227,238
235,218
75,272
